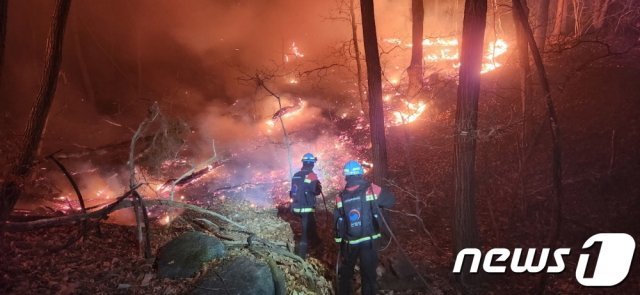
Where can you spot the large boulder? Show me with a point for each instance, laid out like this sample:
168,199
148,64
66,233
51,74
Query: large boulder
183,256
239,276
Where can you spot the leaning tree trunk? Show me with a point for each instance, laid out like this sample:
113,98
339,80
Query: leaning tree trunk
415,69
3,32
560,19
374,82
542,23
356,48
525,94
552,116
11,189
466,229
555,132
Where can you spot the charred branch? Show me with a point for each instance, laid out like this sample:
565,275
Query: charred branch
75,188
68,219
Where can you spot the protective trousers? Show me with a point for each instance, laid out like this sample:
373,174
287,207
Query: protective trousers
309,233
368,255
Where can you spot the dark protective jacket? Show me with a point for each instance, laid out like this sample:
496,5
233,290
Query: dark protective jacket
356,218
305,186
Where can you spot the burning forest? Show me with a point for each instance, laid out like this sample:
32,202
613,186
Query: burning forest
319,147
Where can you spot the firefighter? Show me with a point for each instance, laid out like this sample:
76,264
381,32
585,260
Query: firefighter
358,221
305,186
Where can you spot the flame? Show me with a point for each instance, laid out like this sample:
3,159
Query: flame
294,51
496,48
414,110
291,111
165,220
488,67
393,41
448,50
440,42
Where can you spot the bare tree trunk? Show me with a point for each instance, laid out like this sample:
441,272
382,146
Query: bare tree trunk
542,23
356,48
554,128
287,141
525,94
578,7
3,32
473,27
21,168
415,69
374,81
560,19
599,12
142,222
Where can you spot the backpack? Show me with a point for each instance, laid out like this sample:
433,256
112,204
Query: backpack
357,218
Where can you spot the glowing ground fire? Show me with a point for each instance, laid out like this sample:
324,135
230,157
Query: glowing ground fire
439,50
414,110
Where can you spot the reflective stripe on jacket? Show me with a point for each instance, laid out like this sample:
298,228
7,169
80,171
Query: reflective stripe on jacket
303,210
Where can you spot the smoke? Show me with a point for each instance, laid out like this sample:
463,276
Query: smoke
119,56
194,58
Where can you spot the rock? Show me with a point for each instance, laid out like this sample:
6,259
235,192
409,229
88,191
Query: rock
183,256
239,276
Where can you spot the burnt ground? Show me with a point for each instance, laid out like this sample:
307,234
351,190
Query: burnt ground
593,102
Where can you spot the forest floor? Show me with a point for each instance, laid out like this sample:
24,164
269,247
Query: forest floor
599,115
599,112
107,261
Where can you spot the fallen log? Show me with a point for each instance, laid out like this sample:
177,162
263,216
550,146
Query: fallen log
67,219
102,213
194,175
211,227
174,204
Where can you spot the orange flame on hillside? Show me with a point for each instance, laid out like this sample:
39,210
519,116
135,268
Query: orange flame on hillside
412,113
448,50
